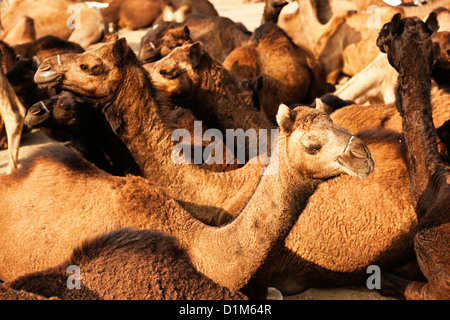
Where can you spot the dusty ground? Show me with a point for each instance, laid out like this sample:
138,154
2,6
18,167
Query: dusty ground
250,14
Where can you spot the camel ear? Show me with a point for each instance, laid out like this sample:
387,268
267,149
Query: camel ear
320,105
36,62
196,53
285,119
112,38
396,24
432,23
187,33
120,50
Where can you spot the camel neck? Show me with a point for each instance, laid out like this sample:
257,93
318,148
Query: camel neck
217,100
140,126
413,98
245,244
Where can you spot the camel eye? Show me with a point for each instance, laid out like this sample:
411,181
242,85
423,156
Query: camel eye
169,74
313,149
84,67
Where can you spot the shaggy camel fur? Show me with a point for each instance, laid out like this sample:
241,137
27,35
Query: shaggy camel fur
349,204
408,45
125,264
311,150
66,117
12,114
51,17
219,35
23,32
7,293
294,76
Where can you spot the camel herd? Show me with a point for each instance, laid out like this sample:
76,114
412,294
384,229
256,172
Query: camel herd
351,100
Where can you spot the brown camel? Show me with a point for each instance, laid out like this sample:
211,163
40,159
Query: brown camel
272,9
180,181
66,117
290,73
123,264
219,35
193,79
62,18
349,204
311,150
136,14
409,48
155,49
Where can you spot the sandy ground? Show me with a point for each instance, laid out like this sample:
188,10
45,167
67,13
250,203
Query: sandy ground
250,14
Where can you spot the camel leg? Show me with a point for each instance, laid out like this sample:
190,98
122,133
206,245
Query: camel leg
14,126
431,246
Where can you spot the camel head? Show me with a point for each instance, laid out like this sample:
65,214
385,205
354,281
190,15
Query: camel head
65,111
177,74
96,73
318,147
156,48
407,42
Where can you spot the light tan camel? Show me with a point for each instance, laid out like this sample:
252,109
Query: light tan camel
65,19
311,149
341,37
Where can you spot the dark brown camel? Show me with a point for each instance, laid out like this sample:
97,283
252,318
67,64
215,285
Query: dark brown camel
409,48
67,117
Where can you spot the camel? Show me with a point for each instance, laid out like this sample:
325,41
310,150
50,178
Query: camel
46,46
311,149
123,264
23,32
180,181
350,203
29,56
193,79
66,117
408,45
272,10
219,35
9,56
294,76
336,36
12,114
136,14
65,19
157,49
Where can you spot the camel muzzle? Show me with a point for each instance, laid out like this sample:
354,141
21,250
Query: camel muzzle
356,159
37,115
46,73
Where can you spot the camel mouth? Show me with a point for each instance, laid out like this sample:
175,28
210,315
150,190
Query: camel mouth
37,115
356,160
45,76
